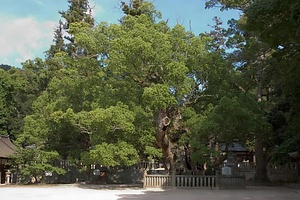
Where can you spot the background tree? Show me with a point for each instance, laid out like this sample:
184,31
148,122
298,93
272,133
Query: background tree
257,59
79,12
31,161
19,88
279,29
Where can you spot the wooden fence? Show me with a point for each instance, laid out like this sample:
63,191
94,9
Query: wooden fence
190,181
194,181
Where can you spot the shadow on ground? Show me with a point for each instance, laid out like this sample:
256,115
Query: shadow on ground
129,192
111,186
251,193
147,195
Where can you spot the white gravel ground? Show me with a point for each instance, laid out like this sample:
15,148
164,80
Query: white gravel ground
61,193
74,192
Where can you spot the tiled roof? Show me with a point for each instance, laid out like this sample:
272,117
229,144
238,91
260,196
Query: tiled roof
234,147
7,148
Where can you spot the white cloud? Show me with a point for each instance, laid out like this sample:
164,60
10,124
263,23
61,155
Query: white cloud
38,2
97,9
22,38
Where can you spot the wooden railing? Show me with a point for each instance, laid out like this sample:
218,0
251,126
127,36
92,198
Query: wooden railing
194,181
181,181
158,181
191,181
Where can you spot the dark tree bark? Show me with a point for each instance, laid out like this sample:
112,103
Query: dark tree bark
261,173
163,139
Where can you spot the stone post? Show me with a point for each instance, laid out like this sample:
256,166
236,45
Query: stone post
217,180
7,180
145,179
173,180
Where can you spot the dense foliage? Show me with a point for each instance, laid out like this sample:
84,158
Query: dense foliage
117,94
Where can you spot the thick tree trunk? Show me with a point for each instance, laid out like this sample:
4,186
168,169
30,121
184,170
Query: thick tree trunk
261,173
163,140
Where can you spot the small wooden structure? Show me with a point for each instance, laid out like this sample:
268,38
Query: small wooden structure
239,152
7,148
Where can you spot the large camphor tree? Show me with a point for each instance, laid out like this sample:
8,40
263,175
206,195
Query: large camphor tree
115,94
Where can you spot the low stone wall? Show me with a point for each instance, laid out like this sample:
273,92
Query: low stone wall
231,182
125,176
285,174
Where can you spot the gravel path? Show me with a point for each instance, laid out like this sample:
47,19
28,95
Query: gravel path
74,192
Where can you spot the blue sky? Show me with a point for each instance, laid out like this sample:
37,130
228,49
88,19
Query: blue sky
27,26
